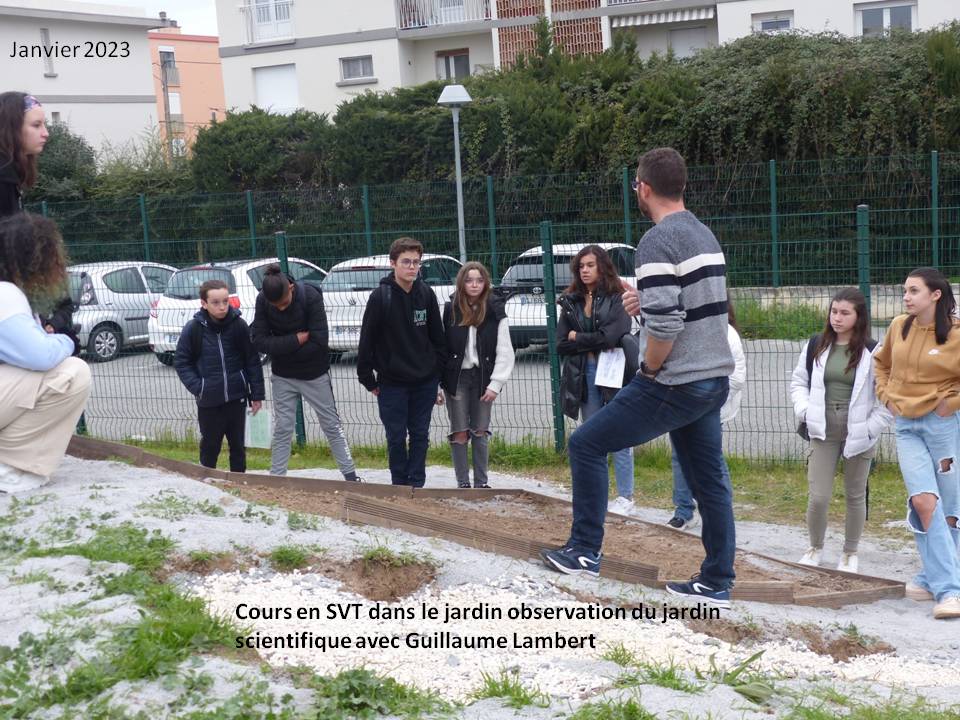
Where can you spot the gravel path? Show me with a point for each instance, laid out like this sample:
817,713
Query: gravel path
57,595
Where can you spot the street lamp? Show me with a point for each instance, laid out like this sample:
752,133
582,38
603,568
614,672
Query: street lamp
455,97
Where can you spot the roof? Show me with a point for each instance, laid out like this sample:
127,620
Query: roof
572,248
80,12
381,261
115,265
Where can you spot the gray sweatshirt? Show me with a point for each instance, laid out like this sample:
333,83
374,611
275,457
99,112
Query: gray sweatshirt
681,277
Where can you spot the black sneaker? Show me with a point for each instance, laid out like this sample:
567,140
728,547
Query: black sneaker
698,590
571,561
482,486
355,478
678,522
463,484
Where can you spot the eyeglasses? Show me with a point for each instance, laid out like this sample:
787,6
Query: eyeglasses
407,263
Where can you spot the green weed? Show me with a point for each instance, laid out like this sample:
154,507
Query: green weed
169,504
620,655
777,321
361,694
508,687
290,557
382,555
752,686
629,709
302,521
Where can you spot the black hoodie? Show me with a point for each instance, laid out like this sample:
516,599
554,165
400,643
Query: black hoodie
401,340
274,332
10,201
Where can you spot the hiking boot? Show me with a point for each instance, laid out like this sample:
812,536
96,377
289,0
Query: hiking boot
848,563
571,561
811,557
696,589
918,593
947,608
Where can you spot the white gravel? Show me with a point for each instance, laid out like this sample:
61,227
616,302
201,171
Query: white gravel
86,494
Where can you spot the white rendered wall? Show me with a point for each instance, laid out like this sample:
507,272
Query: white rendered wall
425,54
656,38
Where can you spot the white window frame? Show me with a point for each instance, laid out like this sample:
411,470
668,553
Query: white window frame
445,63
269,21
885,6
356,79
757,20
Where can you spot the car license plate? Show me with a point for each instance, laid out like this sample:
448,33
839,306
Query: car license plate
531,299
347,330
173,339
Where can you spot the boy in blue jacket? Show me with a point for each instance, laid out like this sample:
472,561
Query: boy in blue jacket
218,365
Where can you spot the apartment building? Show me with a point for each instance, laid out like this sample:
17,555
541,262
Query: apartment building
188,83
282,54
88,64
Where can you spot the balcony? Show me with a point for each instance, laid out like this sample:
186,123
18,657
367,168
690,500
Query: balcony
414,14
267,21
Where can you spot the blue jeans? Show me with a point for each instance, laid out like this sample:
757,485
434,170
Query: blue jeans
922,444
622,459
643,410
407,409
682,497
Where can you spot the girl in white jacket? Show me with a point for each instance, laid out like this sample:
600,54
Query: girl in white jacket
838,403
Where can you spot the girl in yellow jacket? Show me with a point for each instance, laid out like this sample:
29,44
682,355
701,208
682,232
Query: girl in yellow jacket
918,379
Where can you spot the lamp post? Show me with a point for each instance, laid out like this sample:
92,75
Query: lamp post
455,97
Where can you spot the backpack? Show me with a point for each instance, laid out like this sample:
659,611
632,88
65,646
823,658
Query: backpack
196,330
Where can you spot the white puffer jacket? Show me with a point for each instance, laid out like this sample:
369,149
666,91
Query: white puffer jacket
866,418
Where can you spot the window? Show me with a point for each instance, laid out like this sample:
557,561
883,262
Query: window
875,19
168,65
356,68
48,70
453,64
623,261
276,88
55,117
271,19
772,22
176,112
156,277
354,280
126,281
306,273
434,272
185,284
179,146
686,41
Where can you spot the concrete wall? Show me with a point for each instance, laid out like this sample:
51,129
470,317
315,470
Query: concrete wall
108,98
424,53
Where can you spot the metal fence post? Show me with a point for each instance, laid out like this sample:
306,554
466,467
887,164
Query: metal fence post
251,224
492,225
367,223
145,221
863,252
281,239
935,206
774,226
43,208
627,234
82,425
550,300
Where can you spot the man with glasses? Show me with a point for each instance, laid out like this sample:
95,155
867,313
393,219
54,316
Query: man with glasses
402,352
681,298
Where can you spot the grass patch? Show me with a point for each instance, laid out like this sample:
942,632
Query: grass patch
381,555
169,504
753,686
620,655
629,709
292,557
361,694
778,321
896,710
302,521
508,687
124,543
669,676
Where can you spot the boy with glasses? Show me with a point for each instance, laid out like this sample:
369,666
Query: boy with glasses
402,352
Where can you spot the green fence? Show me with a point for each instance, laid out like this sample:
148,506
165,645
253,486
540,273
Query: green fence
791,232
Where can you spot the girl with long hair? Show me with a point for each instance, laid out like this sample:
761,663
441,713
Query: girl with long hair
834,395
592,319
918,378
23,133
479,362
42,388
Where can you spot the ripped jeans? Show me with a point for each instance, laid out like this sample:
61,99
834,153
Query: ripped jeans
927,451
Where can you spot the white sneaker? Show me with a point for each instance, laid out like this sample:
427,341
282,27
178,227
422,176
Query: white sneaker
16,480
918,593
947,608
622,506
848,563
811,557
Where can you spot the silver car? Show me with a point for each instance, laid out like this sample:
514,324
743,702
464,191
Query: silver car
113,302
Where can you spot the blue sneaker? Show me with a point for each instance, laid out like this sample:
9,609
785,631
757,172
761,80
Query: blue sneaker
571,561
695,589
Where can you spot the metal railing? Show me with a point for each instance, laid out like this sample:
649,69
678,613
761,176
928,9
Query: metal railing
413,14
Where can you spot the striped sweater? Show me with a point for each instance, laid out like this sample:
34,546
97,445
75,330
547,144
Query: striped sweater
681,276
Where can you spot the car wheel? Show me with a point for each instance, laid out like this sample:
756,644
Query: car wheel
105,343
165,358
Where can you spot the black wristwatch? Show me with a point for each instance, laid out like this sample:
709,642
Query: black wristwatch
647,372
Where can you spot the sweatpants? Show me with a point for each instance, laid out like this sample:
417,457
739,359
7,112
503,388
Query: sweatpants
318,394
218,421
39,413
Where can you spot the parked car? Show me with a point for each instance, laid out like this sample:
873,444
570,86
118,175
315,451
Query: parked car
113,301
522,286
181,298
349,284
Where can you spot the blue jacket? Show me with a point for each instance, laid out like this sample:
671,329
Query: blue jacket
227,367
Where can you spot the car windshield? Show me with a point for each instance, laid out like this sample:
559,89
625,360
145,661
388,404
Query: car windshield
185,284
354,279
529,271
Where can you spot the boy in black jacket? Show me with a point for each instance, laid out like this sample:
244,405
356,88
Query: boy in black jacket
218,365
402,353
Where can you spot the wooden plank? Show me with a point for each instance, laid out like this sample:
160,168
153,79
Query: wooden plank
852,597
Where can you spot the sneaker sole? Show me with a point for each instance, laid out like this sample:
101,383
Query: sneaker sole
702,598
919,596
550,563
